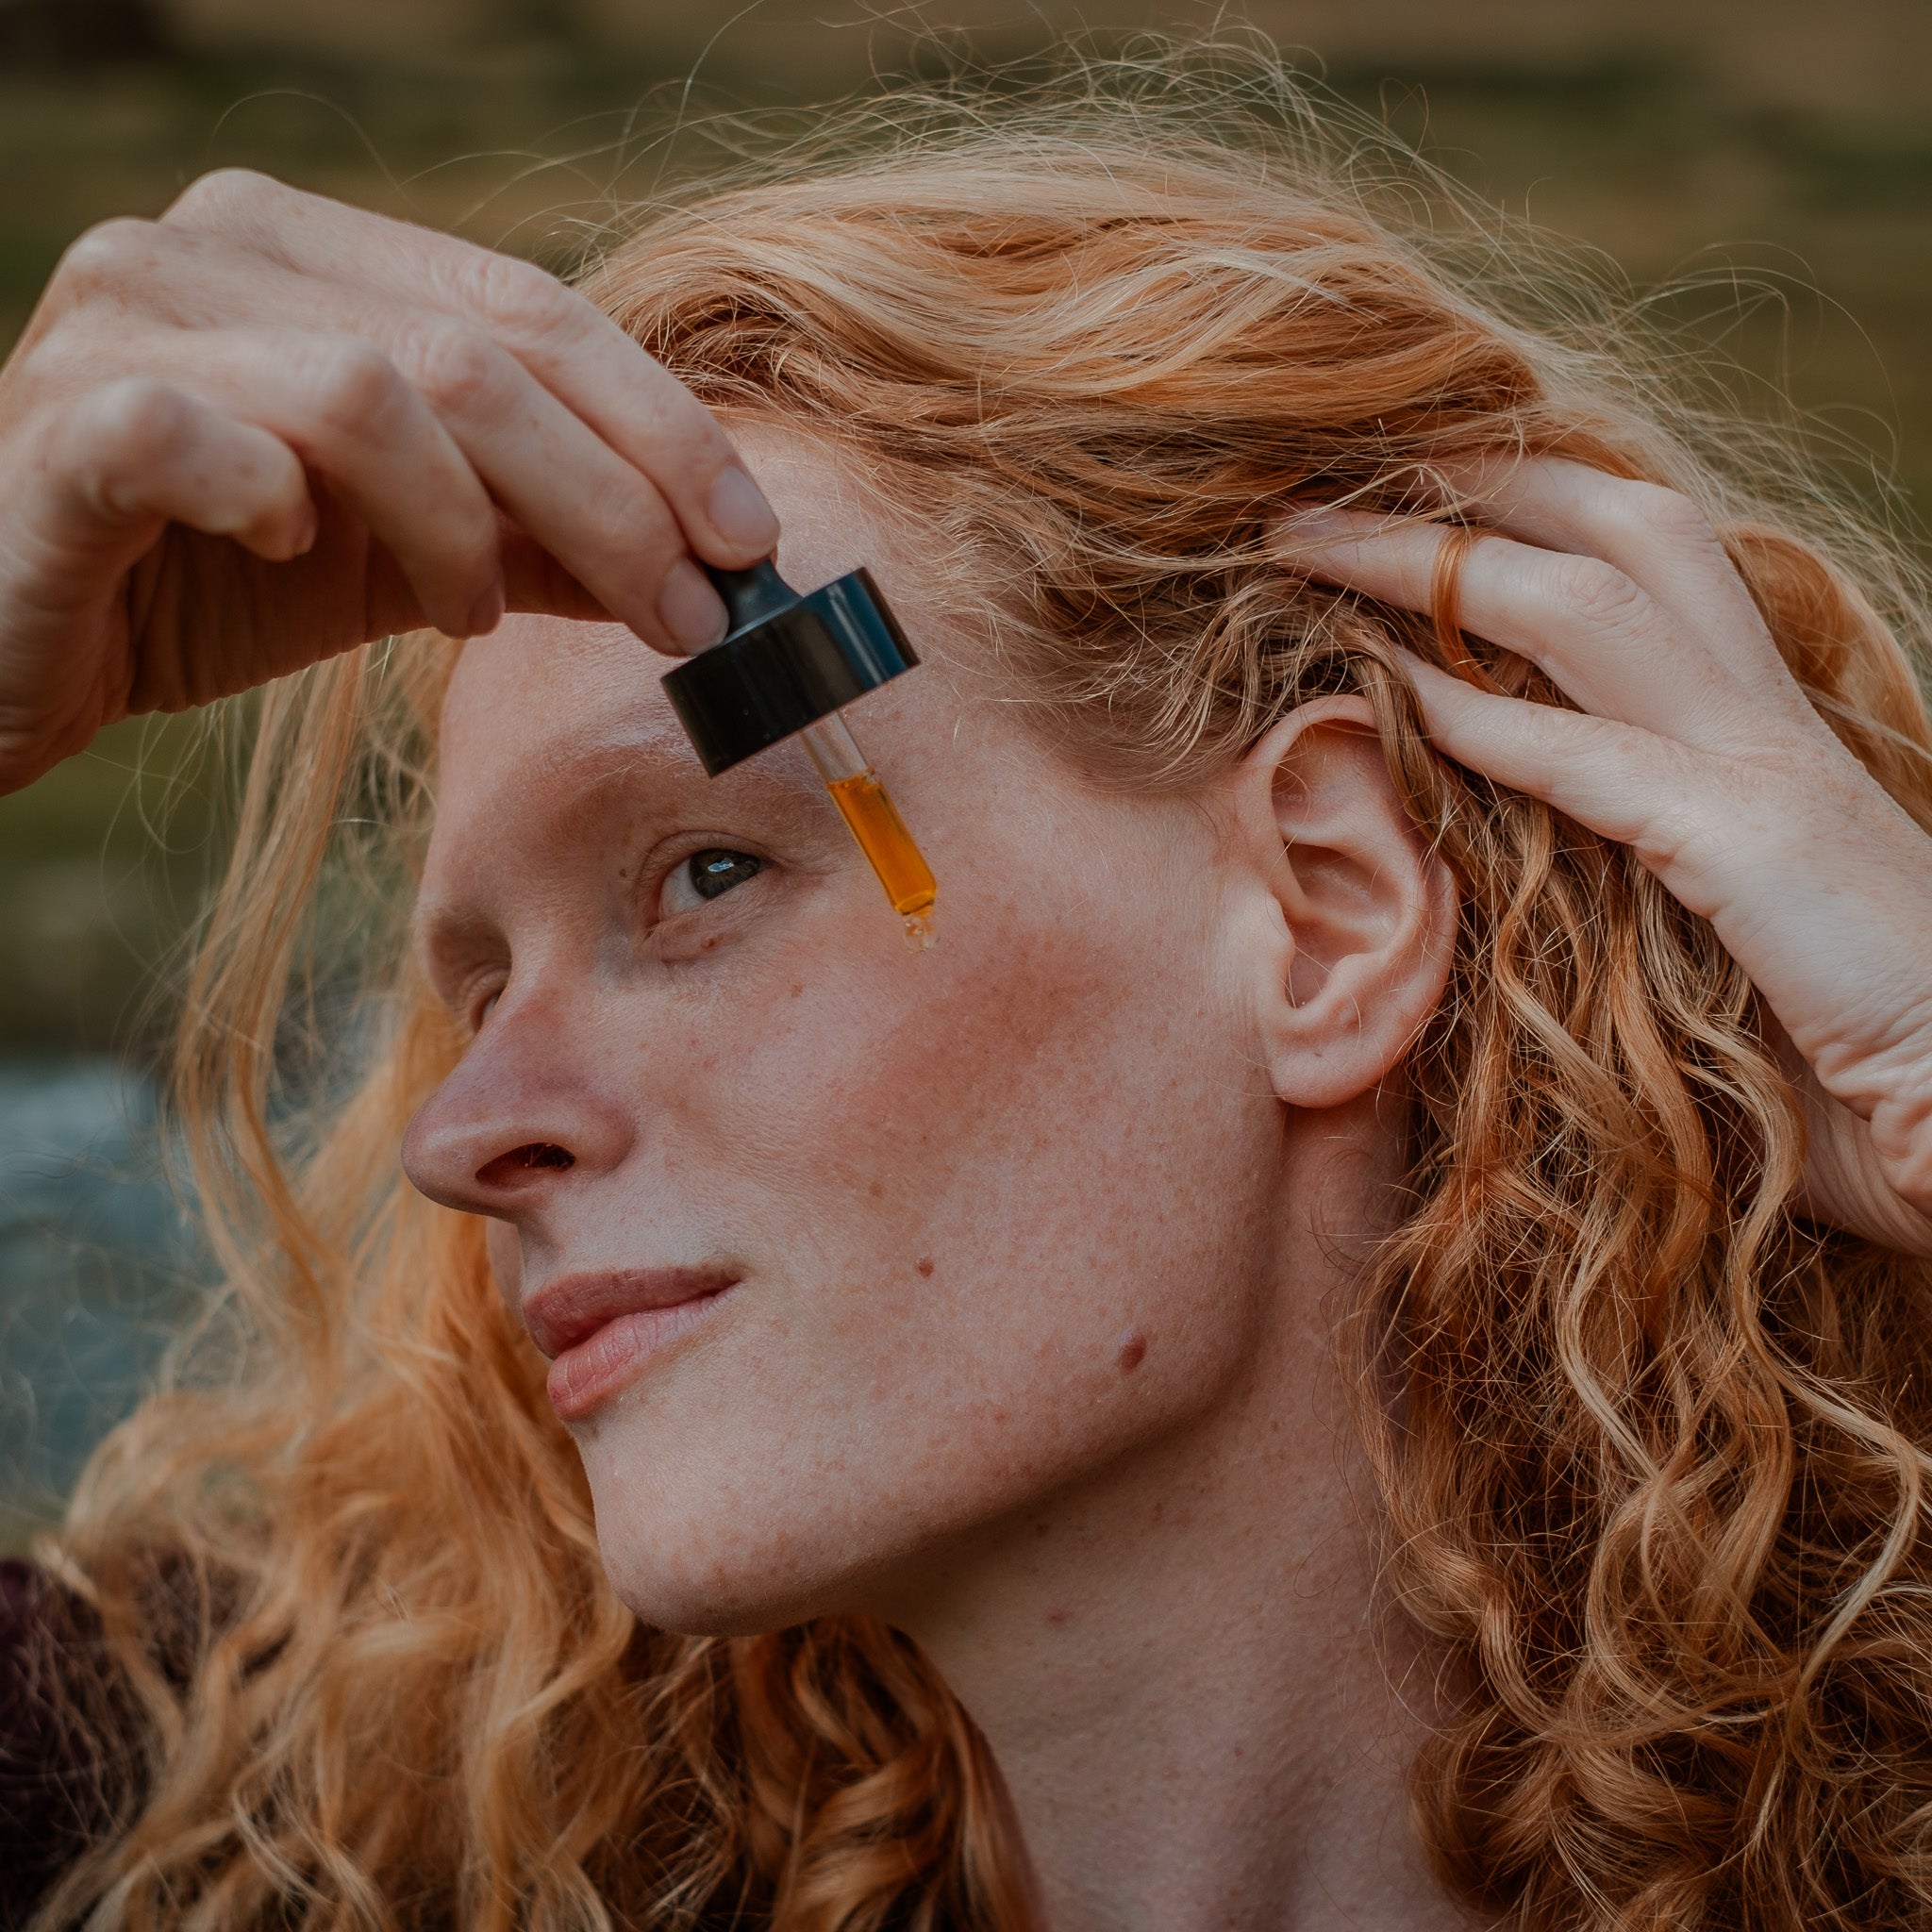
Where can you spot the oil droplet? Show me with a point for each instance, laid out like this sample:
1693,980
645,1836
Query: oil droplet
920,936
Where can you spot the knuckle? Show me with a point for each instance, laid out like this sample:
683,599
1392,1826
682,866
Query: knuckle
460,370
520,296
357,384
134,422
56,362
1597,592
222,195
105,259
1665,513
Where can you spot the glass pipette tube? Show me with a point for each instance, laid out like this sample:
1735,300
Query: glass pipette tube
868,810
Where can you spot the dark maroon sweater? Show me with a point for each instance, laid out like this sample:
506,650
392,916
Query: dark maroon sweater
53,1796
70,1760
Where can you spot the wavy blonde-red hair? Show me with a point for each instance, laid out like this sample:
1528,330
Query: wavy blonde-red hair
1652,1449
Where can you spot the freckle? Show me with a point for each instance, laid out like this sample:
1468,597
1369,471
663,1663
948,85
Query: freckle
926,1264
1058,1616
1133,1353
1040,1528
798,989
878,1188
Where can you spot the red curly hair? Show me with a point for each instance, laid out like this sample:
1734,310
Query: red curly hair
1652,1449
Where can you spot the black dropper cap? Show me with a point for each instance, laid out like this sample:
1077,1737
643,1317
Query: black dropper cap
785,662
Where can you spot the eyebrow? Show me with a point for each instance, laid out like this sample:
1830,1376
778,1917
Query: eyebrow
781,778
632,752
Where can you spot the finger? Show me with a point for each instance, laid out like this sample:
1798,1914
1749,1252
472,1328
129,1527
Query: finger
535,581
607,522
600,518
92,488
1609,776
352,416
139,453
1658,537
577,352
1590,628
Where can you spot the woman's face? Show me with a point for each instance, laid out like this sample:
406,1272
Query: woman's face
845,1254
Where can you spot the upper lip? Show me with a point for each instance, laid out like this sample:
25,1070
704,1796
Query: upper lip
566,1311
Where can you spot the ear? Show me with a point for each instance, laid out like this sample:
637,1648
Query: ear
1353,922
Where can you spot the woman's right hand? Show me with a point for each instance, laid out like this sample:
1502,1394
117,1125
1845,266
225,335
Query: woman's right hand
267,427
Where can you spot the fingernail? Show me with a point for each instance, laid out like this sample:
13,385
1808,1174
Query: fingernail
690,610
308,527
740,513
487,613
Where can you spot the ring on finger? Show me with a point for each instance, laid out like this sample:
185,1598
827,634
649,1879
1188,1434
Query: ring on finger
1445,605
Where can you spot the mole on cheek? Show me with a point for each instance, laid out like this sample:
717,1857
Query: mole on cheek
925,1264
1133,1353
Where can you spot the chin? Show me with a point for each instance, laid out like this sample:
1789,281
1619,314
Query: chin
682,1604
741,1496
735,1596
723,1562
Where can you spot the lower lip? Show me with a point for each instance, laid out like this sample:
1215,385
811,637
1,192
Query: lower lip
593,1370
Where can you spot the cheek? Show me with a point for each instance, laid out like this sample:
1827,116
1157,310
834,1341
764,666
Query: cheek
993,1132
1004,1216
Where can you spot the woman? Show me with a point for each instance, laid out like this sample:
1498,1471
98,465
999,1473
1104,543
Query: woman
1351,1349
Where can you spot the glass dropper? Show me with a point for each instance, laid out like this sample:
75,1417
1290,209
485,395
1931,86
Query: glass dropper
867,807
787,665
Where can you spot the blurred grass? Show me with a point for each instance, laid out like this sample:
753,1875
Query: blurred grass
1648,152
102,864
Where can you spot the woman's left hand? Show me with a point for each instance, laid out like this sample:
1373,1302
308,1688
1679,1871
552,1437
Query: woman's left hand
1696,747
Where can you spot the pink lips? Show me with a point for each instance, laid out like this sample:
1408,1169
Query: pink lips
600,1330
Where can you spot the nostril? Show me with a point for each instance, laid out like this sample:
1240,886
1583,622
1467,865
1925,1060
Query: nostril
510,1169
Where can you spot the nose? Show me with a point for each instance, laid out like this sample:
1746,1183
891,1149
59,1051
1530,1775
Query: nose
527,1107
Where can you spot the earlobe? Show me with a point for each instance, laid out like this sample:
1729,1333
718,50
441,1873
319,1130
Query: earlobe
1354,926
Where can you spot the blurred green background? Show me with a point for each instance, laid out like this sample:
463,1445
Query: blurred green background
1779,143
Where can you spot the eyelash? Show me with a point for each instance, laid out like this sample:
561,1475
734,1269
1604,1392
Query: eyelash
479,1004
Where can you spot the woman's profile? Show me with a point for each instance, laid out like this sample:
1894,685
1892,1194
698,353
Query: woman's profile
1353,1348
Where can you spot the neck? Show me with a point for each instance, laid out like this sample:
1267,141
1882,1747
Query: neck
1201,1715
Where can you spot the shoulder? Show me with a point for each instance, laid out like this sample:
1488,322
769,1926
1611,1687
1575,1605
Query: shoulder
54,1785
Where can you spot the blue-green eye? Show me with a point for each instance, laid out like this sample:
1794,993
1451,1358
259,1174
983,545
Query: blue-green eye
717,871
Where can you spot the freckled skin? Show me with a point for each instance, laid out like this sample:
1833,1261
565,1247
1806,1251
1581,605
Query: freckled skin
1056,1099
1035,1237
